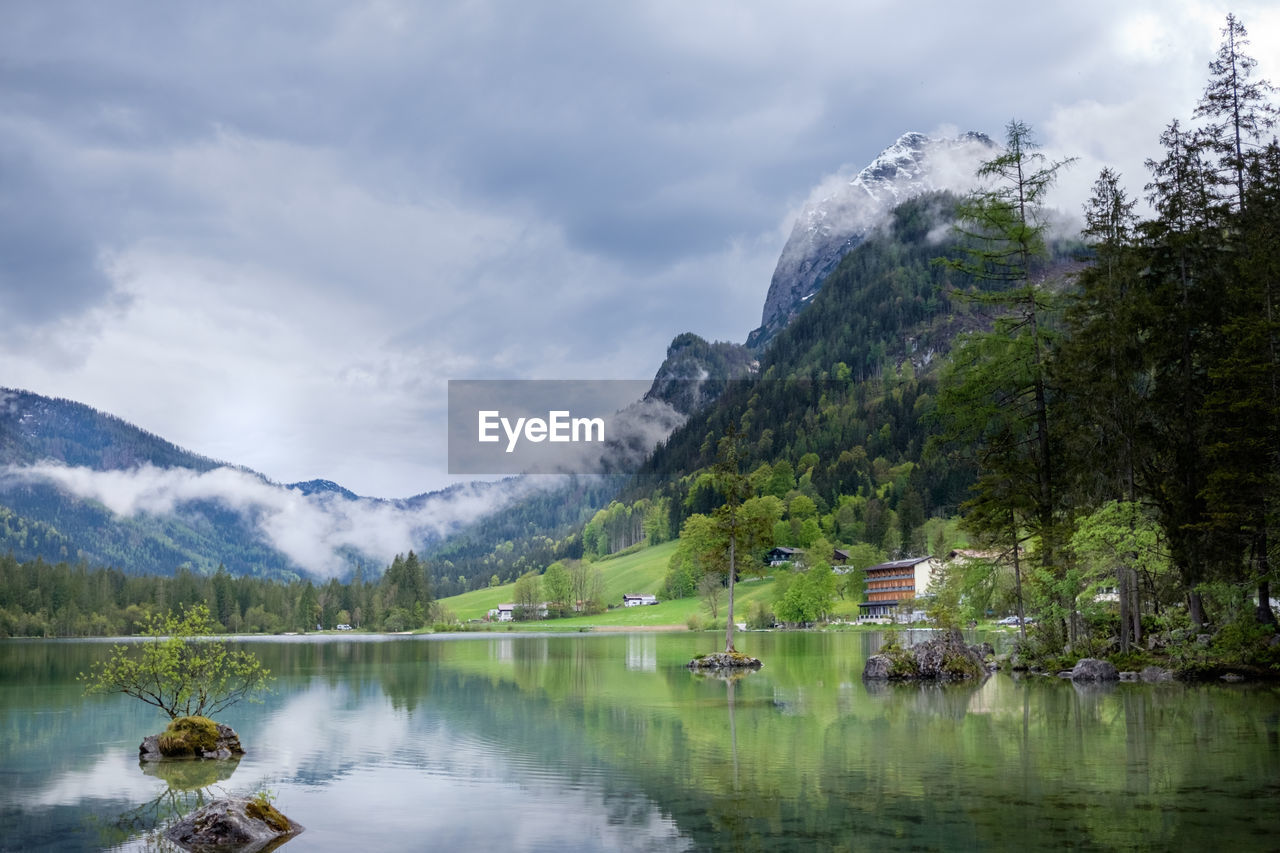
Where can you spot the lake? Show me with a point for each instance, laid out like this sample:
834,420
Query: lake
606,742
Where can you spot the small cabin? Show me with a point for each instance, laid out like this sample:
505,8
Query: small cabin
638,600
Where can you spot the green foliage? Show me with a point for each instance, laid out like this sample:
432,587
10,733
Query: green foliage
262,807
994,404
759,616
1119,534
557,586
528,596
180,669
174,746
902,661
806,596
959,666
945,607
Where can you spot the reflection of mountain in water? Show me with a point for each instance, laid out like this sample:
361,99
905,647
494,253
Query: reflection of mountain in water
577,747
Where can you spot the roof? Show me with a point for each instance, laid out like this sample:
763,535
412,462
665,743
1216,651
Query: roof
971,554
900,564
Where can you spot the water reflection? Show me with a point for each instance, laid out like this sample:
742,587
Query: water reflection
191,775
608,742
189,785
642,652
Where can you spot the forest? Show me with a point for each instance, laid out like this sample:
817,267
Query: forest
39,599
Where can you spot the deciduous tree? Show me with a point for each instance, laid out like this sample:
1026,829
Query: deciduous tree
179,668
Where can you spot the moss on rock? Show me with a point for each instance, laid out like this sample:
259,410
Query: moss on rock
725,660
191,737
260,808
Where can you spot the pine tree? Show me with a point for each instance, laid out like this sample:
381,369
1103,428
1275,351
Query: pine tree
1101,366
1182,278
1236,106
1242,405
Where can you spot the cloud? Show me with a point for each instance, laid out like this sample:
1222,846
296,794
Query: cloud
52,266
312,530
272,234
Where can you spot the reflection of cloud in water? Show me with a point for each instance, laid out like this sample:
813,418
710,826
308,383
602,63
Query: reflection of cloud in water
113,776
359,773
340,761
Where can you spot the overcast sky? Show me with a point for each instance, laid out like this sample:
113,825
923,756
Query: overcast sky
271,232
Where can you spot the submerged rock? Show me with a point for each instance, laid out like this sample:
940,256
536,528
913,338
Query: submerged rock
1155,673
233,825
725,660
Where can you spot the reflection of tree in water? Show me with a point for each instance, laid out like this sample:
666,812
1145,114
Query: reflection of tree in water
188,786
404,672
194,775
949,700
730,678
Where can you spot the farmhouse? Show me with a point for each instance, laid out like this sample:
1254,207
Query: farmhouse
781,556
638,600
890,584
507,612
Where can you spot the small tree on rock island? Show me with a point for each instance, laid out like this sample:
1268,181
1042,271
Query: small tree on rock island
735,489
180,668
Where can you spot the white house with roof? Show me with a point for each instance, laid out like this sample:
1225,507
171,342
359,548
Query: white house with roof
507,612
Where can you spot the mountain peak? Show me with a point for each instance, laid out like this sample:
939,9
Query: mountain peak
837,218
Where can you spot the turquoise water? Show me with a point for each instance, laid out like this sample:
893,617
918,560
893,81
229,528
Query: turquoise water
606,742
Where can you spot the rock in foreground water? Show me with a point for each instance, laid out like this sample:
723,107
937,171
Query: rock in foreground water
233,825
944,658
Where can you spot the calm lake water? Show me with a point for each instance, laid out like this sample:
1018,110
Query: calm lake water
606,742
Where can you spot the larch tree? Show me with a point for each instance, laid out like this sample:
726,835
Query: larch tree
994,400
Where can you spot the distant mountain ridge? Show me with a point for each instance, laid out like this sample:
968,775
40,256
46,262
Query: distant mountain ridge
836,219
34,428
80,484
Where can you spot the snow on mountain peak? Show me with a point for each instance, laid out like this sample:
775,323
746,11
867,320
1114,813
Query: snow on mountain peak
837,217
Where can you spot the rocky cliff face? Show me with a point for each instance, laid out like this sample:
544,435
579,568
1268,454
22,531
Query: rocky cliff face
837,218
696,372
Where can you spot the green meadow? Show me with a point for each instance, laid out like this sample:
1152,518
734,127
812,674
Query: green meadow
639,572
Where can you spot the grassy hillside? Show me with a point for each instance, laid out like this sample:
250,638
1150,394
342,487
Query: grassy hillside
638,572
